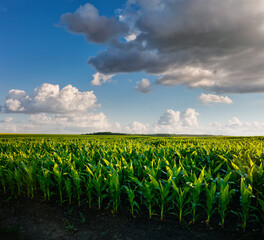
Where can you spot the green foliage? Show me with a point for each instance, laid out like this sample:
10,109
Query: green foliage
178,175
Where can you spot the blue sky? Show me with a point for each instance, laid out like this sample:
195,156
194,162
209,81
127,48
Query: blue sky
153,66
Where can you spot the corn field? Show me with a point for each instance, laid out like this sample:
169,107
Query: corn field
191,179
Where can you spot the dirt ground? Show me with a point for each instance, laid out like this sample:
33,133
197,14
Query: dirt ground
35,219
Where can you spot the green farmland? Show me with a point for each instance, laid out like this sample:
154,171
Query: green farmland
188,179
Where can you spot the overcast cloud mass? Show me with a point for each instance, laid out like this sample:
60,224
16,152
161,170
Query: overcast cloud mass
215,45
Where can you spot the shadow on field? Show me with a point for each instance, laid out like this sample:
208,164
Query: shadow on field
35,219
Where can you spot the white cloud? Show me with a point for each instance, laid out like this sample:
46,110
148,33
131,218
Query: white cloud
144,86
100,78
137,127
54,110
211,98
170,117
49,98
170,122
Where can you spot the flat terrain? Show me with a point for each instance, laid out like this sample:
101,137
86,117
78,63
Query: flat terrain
87,187
38,220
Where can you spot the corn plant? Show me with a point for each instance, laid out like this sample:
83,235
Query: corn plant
163,190
77,183
59,178
10,180
115,189
88,182
196,189
224,200
29,179
131,198
210,200
147,190
45,182
245,202
100,185
180,199
68,188
18,179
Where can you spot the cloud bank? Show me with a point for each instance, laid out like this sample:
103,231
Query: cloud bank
210,44
67,110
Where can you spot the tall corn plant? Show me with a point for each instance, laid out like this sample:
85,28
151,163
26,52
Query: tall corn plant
115,189
246,194
196,189
45,182
77,183
88,182
59,179
163,192
147,191
29,178
131,197
18,179
224,200
100,184
180,198
210,190
68,188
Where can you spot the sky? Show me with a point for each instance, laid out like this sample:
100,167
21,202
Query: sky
134,66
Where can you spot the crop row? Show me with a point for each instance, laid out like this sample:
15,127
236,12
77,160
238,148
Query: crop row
187,177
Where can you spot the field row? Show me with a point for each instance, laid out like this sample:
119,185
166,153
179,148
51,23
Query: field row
192,178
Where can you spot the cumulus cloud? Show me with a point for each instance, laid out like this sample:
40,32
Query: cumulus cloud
136,127
52,109
211,44
99,29
211,98
144,86
99,78
187,118
49,98
171,121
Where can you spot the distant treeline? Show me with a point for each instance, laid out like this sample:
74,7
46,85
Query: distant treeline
105,133
151,135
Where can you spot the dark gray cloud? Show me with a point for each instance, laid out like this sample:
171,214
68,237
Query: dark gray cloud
124,57
98,29
212,44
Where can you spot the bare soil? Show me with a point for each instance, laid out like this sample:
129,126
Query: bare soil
36,219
